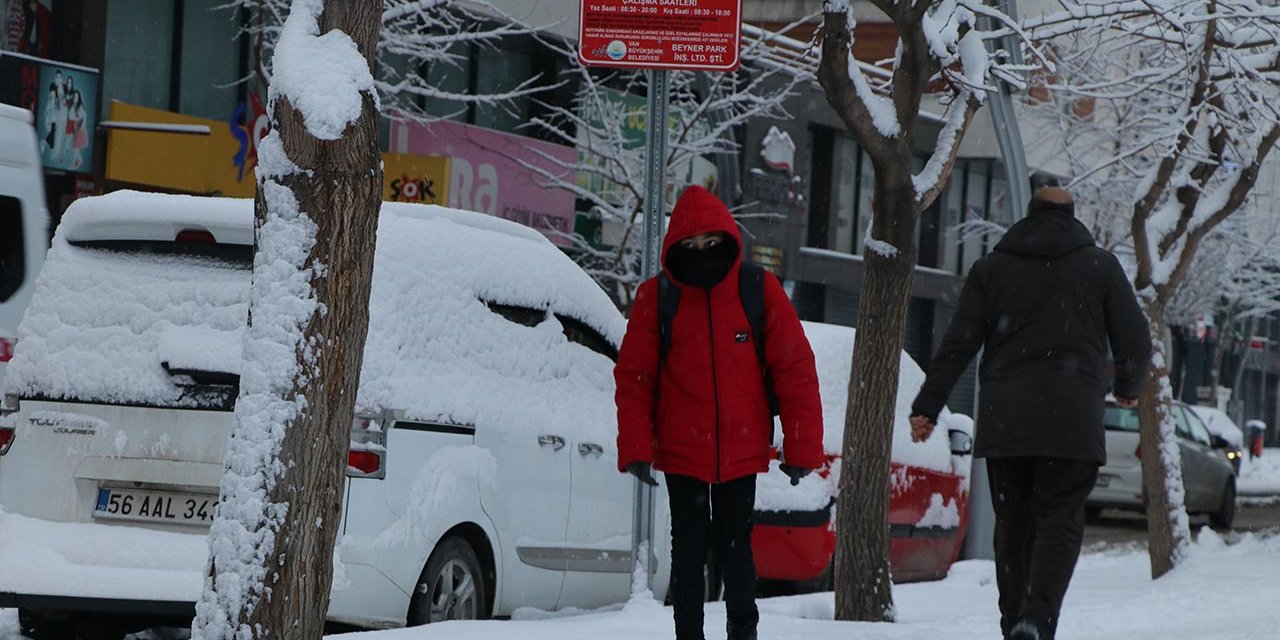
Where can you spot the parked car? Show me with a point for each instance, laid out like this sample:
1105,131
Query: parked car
24,227
794,536
1207,476
1227,437
482,473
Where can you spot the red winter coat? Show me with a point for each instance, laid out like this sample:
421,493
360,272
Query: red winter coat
712,421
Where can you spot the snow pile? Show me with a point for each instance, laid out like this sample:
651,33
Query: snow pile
775,493
1260,476
322,75
201,348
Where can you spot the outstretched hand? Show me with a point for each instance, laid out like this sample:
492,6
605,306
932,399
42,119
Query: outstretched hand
795,473
1126,403
643,471
921,428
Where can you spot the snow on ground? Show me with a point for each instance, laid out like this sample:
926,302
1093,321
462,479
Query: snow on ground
1222,592
1261,476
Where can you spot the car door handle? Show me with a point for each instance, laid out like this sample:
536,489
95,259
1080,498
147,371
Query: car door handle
588,449
555,442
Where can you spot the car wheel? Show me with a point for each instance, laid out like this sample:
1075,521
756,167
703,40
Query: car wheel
1226,513
452,586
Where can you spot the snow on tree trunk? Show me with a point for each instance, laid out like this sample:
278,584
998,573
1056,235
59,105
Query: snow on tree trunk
1169,528
316,211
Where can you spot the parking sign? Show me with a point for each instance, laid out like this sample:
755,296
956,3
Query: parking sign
702,35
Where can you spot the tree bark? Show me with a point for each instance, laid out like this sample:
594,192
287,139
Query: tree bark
339,187
863,578
1168,528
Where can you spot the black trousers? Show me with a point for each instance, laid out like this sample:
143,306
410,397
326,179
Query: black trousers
712,518
1039,505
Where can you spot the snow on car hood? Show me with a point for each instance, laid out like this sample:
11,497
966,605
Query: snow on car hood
102,322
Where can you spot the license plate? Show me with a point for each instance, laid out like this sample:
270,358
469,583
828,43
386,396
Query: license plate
155,506
1103,481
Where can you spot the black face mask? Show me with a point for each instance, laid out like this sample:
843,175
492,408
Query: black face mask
702,268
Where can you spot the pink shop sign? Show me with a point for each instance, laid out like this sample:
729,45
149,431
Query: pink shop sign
489,172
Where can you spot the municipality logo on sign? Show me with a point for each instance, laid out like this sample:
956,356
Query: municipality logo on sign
617,50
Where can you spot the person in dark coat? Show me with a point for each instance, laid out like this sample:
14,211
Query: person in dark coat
1044,305
701,413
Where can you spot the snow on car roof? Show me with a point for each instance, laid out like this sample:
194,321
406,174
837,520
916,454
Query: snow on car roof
833,350
102,322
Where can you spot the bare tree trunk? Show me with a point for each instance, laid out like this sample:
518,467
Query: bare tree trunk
1168,529
863,579
337,185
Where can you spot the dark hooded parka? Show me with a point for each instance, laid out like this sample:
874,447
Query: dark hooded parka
1045,304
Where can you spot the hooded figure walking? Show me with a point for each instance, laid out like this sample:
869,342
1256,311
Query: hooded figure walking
1045,305
694,395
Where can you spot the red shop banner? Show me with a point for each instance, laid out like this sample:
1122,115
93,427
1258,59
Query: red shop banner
701,35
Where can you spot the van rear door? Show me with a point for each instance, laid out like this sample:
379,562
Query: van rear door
23,223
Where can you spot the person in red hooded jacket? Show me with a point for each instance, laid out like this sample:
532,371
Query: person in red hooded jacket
701,413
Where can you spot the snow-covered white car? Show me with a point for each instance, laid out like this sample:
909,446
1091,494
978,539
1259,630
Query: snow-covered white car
486,387
24,225
1207,477
794,537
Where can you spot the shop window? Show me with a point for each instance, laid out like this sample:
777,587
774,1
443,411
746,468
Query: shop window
139,53
502,69
952,203
821,168
844,205
977,186
13,262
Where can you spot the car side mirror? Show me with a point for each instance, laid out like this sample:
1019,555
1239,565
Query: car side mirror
1219,442
961,442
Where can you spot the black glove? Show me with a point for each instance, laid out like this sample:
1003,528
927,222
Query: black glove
643,471
796,473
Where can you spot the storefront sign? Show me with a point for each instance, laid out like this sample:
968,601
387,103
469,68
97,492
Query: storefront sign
497,173
64,99
701,35
222,162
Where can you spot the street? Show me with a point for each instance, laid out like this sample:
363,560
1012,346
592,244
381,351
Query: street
1116,528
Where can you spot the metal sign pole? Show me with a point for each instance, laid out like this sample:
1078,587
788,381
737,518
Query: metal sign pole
655,189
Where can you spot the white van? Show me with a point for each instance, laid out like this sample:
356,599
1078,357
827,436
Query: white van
24,225
492,483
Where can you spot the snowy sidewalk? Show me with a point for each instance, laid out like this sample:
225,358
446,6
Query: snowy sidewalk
1260,477
1221,593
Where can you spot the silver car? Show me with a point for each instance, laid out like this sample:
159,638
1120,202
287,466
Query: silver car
1207,476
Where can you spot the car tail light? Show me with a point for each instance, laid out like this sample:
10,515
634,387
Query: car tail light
367,455
6,348
1137,453
7,434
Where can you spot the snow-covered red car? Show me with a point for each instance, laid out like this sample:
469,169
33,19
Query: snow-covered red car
794,537
481,476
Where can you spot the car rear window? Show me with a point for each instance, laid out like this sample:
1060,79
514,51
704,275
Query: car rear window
12,254
137,323
1119,419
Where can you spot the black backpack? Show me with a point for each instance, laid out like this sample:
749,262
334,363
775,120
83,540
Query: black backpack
751,290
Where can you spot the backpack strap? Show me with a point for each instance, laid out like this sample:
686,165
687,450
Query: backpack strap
668,304
751,290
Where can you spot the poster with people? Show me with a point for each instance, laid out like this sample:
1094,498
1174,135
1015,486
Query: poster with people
26,26
63,99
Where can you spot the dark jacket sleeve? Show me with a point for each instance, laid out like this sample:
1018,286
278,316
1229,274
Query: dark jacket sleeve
636,379
795,379
965,336
1127,332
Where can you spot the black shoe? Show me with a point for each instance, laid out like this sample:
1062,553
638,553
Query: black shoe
1029,629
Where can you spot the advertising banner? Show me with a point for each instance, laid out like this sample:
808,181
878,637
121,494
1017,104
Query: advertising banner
26,26
64,99
222,162
702,35
490,172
